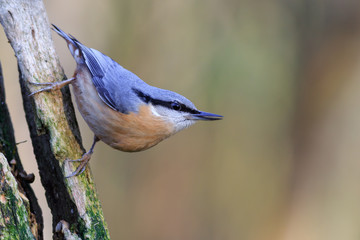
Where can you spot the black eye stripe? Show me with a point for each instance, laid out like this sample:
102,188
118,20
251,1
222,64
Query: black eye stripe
147,99
142,96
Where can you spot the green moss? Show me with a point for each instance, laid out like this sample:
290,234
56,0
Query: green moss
15,212
98,228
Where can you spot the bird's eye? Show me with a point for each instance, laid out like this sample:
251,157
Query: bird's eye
176,106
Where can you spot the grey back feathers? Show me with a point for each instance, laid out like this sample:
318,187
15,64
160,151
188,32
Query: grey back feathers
121,89
112,82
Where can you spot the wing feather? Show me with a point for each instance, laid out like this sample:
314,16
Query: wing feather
107,78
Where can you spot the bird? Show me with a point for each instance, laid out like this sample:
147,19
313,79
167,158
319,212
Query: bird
121,109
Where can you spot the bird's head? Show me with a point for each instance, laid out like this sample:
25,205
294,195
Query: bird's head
173,108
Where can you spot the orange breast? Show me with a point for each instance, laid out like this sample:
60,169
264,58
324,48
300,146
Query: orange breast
127,132
138,131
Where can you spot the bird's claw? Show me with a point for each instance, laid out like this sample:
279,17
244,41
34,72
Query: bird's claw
50,86
40,84
82,166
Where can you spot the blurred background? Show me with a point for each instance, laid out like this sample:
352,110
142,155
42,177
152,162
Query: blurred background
284,164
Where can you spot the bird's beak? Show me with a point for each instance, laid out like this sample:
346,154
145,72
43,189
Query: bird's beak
205,116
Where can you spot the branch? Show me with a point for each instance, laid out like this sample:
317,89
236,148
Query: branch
51,119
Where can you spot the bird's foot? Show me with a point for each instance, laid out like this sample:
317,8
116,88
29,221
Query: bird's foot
83,162
50,86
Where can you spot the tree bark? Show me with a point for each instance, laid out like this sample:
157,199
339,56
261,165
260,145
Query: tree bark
15,182
52,124
16,221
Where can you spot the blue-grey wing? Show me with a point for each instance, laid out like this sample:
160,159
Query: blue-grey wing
112,82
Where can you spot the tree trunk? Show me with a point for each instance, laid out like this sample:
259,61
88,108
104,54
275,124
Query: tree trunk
53,128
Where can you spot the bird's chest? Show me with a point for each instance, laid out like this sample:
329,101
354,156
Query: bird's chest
126,132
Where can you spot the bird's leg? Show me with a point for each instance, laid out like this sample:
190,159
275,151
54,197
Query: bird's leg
51,85
83,160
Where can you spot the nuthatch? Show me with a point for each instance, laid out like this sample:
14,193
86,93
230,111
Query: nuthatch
121,109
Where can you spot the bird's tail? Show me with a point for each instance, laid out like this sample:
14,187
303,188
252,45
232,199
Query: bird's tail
73,44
